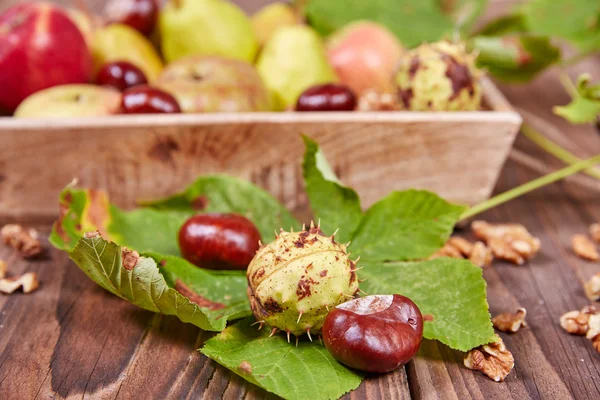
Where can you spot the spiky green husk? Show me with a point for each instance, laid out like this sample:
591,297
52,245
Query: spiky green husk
294,281
439,76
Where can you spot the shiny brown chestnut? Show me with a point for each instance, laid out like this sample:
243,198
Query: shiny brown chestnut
121,75
327,97
375,333
219,241
138,14
144,99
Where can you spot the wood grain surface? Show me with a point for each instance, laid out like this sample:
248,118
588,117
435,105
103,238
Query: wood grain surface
72,339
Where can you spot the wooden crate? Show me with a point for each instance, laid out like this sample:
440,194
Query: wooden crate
456,154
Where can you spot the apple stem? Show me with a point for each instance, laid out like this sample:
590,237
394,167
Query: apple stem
530,186
554,149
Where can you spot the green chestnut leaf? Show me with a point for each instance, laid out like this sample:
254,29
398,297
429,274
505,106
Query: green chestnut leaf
503,25
585,106
334,205
280,367
452,291
576,21
211,299
155,226
515,57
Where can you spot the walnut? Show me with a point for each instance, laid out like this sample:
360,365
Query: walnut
595,232
592,288
593,332
372,100
3,269
584,248
507,322
462,245
511,242
481,255
27,281
576,322
492,359
25,241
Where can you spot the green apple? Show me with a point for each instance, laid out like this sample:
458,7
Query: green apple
272,17
215,84
71,101
291,62
118,42
206,27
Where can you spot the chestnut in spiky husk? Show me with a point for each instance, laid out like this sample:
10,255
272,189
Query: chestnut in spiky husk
294,281
439,76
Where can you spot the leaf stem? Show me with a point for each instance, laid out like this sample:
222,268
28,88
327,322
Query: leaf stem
554,149
530,186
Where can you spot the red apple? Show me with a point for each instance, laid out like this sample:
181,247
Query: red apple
40,47
365,56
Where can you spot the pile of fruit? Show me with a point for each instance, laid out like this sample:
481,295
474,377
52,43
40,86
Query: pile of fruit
197,56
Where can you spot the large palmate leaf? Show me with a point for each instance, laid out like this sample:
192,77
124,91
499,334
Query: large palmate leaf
226,194
155,227
306,371
413,22
406,225
335,205
452,291
210,299
577,21
585,106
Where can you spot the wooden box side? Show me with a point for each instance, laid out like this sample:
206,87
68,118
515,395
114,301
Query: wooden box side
457,155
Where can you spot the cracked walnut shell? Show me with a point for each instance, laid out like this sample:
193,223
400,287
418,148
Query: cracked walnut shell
27,281
592,288
507,322
372,100
25,241
593,332
510,242
595,232
493,359
576,322
584,248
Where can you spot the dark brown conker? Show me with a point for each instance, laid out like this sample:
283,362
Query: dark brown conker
374,333
327,97
219,241
144,99
141,15
121,75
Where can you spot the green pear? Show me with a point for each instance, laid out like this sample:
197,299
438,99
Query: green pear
291,62
118,42
206,27
270,18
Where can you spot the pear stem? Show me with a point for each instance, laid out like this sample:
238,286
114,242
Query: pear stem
554,149
530,186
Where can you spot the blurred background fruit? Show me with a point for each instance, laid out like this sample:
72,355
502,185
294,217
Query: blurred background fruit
215,84
364,55
293,60
327,97
40,47
206,27
140,15
72,100
148,100
270,18
118,42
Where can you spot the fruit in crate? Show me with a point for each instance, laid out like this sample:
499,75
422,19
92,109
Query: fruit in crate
365,56
291,62
219,241
270,18
121,75
295,280
327,97
144,99
73,100
206,27
118,42
141,15
440,76
40,47
215,84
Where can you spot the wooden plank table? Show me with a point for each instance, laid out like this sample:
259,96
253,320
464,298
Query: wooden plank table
72,339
